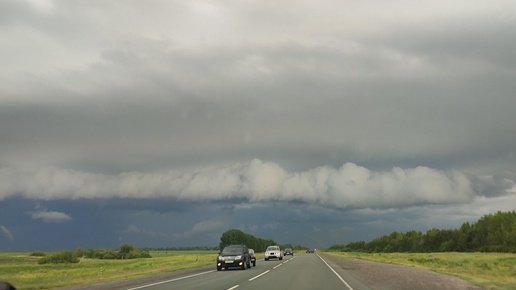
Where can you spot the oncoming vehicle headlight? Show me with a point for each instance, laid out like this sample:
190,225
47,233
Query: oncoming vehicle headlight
220,258
238,257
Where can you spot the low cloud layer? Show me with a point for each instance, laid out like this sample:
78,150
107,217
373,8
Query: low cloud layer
349,186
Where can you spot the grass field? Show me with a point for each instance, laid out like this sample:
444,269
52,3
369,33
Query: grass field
23,271
487,270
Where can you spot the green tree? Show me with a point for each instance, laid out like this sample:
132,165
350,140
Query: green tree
235,236
80,252
128,251
491,233
230,237
60,258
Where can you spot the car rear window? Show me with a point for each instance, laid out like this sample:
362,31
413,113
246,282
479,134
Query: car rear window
232,250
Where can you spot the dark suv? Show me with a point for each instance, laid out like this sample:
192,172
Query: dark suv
234,256
288,251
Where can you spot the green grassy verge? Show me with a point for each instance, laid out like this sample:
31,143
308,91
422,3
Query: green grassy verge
491,271
23,271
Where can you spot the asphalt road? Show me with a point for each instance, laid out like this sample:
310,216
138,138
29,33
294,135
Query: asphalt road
300,272
307,271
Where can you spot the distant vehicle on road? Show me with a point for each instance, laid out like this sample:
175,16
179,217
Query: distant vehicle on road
253,257
288,251
234,256
310,251
273,252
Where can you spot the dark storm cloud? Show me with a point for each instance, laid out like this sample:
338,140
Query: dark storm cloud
387,114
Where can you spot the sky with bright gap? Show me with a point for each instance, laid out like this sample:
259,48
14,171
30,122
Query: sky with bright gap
166,123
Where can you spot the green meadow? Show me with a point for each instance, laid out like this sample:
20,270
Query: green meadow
491,271
23,271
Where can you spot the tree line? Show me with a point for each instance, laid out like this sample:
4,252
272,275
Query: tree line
235,236
183,248
491,233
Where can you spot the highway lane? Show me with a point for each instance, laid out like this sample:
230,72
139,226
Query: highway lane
308,271
304,271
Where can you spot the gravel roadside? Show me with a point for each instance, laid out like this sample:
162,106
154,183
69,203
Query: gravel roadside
381,276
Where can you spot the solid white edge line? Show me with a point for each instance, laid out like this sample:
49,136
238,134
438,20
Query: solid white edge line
335,272
259,275
168,281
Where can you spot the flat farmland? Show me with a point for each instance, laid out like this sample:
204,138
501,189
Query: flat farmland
23,271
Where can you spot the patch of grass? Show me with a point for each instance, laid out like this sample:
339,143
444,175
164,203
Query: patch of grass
23,271
487,270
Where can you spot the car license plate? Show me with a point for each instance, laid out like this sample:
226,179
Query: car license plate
229,261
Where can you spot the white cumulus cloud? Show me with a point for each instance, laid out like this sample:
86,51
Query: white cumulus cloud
52,216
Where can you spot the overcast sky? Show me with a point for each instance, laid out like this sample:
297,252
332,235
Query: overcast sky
166,123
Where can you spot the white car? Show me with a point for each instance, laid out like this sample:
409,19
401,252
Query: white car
273,252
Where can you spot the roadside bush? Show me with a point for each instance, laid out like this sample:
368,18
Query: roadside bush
80,252
38,254
100,254
145,254
60,258
109,256
127,251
